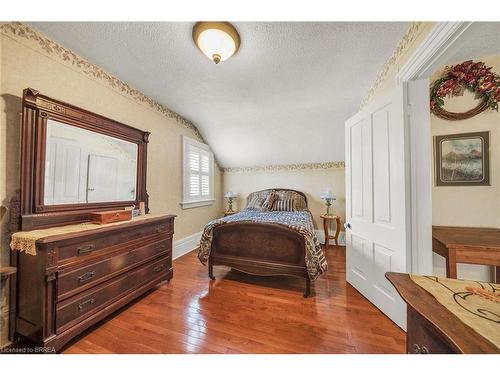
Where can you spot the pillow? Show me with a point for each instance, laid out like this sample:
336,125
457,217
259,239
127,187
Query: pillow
255,203
269,202
285,205
300,202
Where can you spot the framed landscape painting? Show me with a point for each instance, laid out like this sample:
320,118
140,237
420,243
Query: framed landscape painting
462,159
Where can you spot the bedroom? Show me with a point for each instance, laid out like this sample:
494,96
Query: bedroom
167,197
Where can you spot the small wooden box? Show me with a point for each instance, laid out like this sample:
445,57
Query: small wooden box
106,217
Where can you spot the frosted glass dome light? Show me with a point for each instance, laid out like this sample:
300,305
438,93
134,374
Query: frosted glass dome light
217,40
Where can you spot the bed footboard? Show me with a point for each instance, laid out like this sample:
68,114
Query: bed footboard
259,249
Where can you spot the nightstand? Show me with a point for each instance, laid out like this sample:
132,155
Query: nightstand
327,219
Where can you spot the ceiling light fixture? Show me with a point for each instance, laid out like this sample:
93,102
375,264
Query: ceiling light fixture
217,40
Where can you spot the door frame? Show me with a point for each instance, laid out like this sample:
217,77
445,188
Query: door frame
421,64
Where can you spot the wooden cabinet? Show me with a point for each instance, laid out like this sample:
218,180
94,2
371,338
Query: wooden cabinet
77,279
431,327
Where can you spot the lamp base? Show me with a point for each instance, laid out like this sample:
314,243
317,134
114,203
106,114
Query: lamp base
328,205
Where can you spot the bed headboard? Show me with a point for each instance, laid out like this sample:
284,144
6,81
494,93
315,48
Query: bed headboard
280,189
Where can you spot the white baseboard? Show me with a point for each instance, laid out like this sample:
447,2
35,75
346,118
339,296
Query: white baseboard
185,245
321,237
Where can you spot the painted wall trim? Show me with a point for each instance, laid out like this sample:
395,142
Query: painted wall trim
186,244
207,202
287,167
420,170
432,47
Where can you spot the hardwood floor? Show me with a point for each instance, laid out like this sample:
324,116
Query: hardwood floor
239,313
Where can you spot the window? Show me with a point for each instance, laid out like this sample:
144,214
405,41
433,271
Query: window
198,174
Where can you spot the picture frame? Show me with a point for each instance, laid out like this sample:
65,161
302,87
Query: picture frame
462,159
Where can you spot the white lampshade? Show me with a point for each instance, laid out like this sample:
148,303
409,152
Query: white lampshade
229,194
217,40
327,195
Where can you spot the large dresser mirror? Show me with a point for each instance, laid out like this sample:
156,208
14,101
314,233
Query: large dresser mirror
74,162
82,166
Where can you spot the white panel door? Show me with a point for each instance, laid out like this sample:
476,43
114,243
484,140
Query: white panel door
102,179
63,172
376,203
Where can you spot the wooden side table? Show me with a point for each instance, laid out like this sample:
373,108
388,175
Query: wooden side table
7,310
467,245
327,219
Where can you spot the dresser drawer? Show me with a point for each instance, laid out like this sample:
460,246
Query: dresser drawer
81,247
423,338
77,280
83,305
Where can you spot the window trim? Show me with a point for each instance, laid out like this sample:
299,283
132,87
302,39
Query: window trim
186,201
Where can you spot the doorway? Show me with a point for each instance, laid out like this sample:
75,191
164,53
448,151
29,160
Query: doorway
464,206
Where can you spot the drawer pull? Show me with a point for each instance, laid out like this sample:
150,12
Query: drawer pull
86,276
417,349
159,268
160,247
85,303
160,228
85,249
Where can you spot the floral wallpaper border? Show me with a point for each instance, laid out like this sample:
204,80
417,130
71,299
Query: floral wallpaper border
22,32
406,42
287,167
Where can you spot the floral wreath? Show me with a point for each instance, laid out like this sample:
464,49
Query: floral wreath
470,75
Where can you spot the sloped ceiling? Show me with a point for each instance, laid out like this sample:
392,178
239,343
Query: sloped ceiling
282,99
481,39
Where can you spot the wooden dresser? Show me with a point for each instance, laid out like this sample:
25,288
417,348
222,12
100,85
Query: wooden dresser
77,279
72,273
434,329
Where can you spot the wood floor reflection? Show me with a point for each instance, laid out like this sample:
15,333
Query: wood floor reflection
239,313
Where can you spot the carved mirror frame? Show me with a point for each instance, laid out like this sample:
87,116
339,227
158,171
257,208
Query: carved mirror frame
37,110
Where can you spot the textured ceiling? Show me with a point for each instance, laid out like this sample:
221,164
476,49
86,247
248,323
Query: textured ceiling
283,98
481,39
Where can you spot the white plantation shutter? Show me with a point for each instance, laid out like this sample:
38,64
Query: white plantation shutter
194,159
194,186
194,176
198,172
205,174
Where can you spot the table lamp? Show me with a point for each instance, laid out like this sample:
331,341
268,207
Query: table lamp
328,197
230,196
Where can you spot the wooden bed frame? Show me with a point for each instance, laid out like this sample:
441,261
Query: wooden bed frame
263,249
